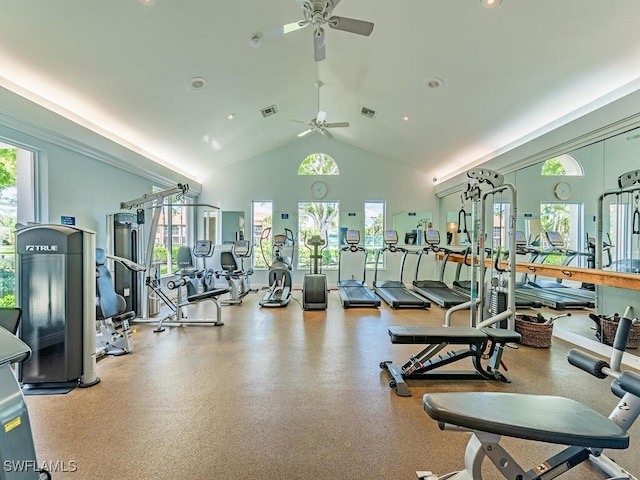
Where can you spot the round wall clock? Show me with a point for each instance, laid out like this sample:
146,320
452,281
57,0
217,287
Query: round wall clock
562,191
319,189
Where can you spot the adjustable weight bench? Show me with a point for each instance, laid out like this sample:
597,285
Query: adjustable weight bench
557,420
421,366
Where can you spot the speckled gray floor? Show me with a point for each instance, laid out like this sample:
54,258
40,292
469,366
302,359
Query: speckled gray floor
283,394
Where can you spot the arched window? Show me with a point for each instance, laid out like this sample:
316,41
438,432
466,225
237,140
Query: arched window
318,164
562,165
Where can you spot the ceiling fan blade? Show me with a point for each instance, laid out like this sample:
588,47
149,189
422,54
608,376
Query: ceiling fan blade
336,125
284,29
327,134
321,116
306,132
319,52
298,121
294,26
351,25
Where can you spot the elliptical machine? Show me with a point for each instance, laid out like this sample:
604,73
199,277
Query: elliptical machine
280,283
314,289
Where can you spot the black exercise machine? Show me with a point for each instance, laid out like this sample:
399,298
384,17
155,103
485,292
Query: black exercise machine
355,293
436,291
480,343
394,292
314,285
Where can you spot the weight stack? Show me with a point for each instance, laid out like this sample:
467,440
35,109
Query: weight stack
496,302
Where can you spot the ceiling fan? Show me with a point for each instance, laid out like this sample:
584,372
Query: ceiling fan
318,13
319,124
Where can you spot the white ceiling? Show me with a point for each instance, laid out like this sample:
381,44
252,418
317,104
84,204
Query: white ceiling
124,69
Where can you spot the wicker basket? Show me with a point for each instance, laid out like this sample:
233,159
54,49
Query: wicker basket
609,329
537,335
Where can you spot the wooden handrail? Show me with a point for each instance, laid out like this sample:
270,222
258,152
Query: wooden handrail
630,281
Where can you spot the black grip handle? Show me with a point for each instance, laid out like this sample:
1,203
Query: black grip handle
587,362
622,334
630,382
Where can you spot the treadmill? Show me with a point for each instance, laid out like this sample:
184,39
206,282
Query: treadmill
556,285
464,286
549,297
355,293
394,292
436,291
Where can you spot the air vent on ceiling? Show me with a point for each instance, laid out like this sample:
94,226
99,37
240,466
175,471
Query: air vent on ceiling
267,112
367,112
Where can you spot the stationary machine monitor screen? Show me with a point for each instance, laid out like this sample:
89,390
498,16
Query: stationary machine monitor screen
279,240
203,248
390,237
353,237
520,238
432,237
241,248
555,239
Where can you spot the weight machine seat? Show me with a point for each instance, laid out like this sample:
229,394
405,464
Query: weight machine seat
541,418
110,304
451,335
210,294
10,318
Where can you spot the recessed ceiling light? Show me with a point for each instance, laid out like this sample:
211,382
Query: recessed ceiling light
197,83
231,116
433,83
490,3
405,118
147,3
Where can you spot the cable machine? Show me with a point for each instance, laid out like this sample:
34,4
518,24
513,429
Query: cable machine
483,346
151,281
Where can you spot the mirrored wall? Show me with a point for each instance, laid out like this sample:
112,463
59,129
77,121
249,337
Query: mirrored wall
561,194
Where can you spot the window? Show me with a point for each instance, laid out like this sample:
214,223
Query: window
501,214
318,164
17,204
562,165
8,219
566,219
373,228
320,218
262,217
174,231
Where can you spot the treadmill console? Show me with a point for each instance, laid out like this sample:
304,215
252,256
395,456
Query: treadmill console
279,240
555,239
352,237
242,248
432,237
203,248
521,241
390,237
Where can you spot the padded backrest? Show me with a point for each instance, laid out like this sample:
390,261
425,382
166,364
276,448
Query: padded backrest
228,261
10,318
184,259
108,303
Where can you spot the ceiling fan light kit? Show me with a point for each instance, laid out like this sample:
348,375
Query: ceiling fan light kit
319,124
318,13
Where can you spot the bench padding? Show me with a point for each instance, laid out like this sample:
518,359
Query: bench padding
534,417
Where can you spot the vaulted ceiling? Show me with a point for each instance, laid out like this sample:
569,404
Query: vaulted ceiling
126,69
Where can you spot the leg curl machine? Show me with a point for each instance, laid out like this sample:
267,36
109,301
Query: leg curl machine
491,415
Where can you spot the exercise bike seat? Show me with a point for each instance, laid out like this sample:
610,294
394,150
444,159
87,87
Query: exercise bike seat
541,418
